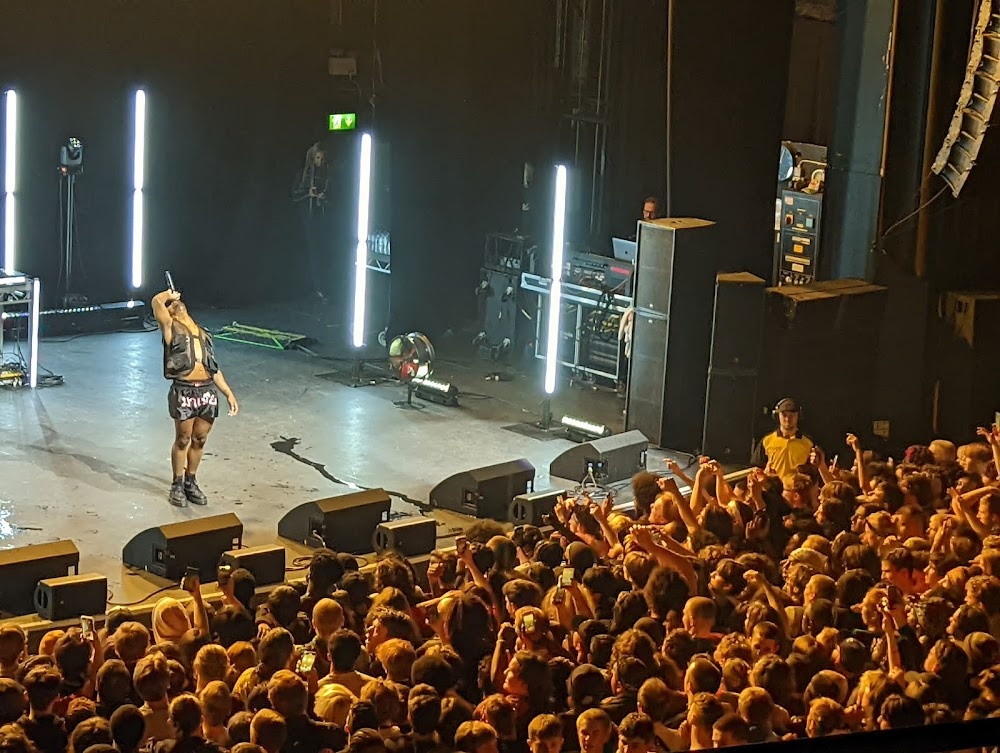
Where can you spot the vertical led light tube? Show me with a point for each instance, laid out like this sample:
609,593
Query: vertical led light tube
138,181
555,293
10,182
36,304
361,250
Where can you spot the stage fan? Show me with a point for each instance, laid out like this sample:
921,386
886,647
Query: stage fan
411,357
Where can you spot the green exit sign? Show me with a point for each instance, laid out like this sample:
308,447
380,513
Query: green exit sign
343,121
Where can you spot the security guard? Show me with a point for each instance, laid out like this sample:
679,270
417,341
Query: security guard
783,450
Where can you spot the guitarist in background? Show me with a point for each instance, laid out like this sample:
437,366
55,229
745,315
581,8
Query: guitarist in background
309,192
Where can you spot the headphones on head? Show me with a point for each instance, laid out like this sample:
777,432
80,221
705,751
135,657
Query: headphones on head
774,410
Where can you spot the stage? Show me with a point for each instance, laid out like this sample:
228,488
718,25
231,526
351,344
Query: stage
89,460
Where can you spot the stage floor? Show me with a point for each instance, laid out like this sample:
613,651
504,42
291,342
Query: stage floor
89,460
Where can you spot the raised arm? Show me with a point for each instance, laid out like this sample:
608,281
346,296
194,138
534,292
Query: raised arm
818,458
669,487
962,504
896,670
600,514
665,557
859,459
160,302
761,584
993,437
678,472
723,492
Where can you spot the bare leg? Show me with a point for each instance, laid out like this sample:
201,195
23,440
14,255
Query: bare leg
199,434
182,441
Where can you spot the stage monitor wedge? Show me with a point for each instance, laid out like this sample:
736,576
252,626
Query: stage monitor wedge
611,459
345,523
71,596
410,536
170,549
485,492
21,568
266,563
531,509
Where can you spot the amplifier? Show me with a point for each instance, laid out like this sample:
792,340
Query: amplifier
797,256
600,272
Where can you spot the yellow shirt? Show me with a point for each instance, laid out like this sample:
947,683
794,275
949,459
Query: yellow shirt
782,454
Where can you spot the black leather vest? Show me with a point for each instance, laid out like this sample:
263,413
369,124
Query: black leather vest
179,354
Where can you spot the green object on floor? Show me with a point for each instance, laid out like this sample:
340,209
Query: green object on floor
262,338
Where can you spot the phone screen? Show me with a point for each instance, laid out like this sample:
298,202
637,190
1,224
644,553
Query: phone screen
566,577
306,663
225,572
529,623
87,627
461,544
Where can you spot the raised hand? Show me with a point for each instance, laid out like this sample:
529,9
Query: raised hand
991,435
853,443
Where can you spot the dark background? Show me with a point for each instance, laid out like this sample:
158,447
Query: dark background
236,93
459,92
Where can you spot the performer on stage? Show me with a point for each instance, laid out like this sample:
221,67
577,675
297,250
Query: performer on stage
189,362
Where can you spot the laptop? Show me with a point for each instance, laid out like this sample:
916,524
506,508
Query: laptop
624,250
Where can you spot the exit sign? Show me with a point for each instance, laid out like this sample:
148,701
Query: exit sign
343,121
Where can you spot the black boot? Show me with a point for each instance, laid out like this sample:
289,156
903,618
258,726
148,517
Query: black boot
177,496
194,495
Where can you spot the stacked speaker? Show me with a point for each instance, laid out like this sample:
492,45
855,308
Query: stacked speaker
821,346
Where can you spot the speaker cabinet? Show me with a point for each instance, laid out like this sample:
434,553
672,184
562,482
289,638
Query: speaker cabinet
818,340
266,563
168,550
730,398
71,596
411,536
21,568
500,308
530,509
673,326
610,459
485,492
344,523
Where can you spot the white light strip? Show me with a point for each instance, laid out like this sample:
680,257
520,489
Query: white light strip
361,251
585,426
10,181
5,281
555,293
138,181
433,384
36,300
137,213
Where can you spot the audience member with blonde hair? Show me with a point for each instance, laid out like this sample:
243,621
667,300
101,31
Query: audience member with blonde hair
211,664
332,704
47,645
217,707
268,730
131,640
396,656
12,644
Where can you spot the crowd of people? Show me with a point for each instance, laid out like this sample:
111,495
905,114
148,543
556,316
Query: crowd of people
803,600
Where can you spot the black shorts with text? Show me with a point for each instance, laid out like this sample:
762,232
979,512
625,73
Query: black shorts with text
188,400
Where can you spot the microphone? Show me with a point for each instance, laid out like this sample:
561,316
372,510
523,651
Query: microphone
170,282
